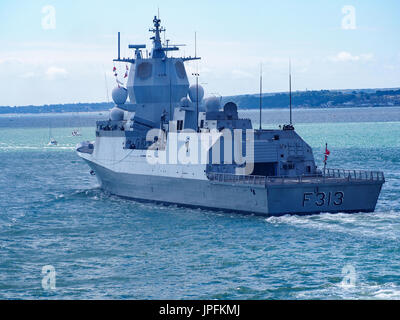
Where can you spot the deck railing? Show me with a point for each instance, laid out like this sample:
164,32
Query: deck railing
355,174
330,175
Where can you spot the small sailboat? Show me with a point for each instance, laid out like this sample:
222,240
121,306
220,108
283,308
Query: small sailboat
76,133
52,141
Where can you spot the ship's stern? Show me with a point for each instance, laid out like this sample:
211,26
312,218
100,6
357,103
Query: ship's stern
344,191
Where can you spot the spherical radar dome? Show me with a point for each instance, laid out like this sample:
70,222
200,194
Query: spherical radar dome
119,95
193,93
213,104
116,114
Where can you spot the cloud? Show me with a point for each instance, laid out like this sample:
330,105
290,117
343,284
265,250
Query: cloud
367,56
28,75
239,74
56,72
345,56
10,60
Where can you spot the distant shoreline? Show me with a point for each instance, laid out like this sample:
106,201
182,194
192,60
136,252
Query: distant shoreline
270,116
42,113
265,109
49,114
322,99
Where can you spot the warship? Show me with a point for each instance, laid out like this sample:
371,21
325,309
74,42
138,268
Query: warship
169,144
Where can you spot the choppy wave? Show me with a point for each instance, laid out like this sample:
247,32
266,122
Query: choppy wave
379,224
102,246
38,148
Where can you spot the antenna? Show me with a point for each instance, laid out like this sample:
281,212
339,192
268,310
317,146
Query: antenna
170,98
290,125
290,90
195,44
170,94
106,84
105,79
260,92
196,74
119,45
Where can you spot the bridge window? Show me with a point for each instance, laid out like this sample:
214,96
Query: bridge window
179,125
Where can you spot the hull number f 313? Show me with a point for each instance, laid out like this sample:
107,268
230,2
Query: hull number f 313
323,198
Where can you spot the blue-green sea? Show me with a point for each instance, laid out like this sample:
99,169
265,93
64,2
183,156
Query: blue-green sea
104,247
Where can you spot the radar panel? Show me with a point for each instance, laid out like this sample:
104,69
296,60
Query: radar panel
144,70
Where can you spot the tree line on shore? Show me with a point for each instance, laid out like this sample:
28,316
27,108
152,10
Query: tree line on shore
304,99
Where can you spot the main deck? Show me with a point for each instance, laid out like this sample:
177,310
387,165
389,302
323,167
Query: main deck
328,176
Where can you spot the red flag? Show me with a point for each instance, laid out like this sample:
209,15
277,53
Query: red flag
127,68
327,153
126,74
114,69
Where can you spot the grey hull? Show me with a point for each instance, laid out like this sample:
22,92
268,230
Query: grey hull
274,199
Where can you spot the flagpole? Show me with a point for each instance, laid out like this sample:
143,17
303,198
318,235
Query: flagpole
260,95
290,90
326,157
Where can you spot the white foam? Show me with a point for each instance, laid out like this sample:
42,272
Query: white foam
384,225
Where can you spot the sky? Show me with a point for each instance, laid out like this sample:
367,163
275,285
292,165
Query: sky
57,51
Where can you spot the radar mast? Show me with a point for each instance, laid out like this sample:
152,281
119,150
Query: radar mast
157,51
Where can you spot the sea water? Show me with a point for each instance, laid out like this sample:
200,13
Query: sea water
52,213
